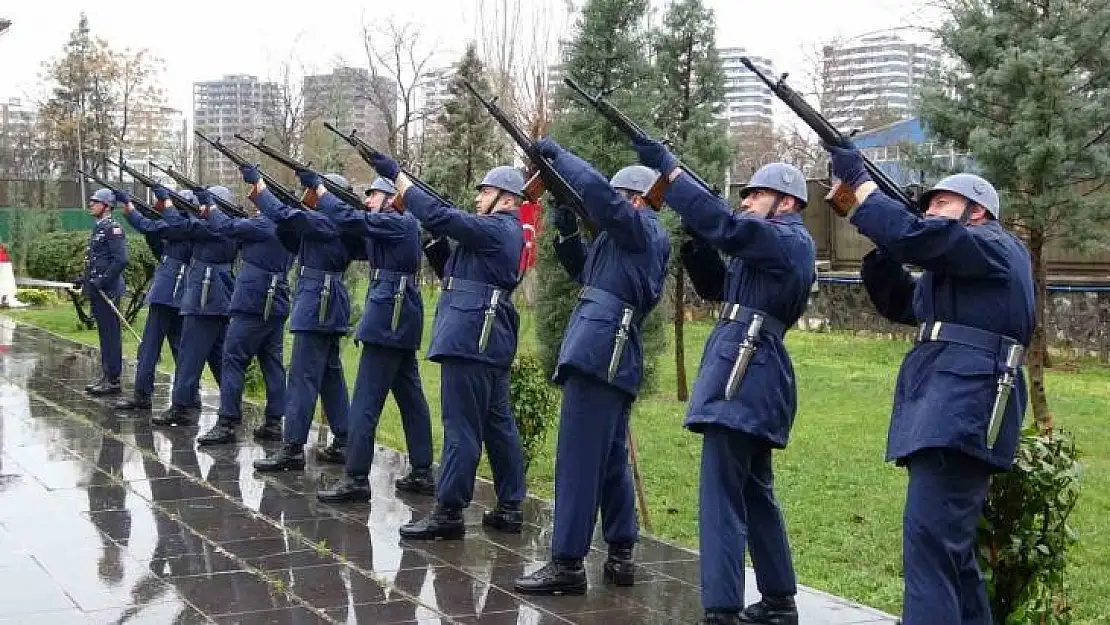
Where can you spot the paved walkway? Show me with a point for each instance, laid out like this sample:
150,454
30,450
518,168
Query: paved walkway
106,520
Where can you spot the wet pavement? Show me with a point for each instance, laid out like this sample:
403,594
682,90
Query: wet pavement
104,519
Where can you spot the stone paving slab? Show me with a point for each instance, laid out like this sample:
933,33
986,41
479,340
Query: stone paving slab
104,519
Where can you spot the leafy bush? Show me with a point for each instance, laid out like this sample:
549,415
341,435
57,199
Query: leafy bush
535,402
35,297
1024,535
60,256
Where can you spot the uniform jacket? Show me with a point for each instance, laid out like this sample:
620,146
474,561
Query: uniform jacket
624,268
321,302
105,259
174,250
977,277
392,243
483,265
209,280
771,270
261,285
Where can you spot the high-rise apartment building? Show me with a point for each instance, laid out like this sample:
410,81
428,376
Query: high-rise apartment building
879,71
351,98
747,100
234,104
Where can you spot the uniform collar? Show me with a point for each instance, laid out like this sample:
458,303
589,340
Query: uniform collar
788,218
106,218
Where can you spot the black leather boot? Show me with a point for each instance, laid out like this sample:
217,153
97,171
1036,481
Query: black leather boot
99,381
289,458
558,577
417,482
505,517
336,453
771,611
106,387
270,430
619,567
720,617
176,415
349,488
223,433
138,401
441,523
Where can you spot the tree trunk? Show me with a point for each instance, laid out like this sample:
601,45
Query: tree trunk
1038,350
682,391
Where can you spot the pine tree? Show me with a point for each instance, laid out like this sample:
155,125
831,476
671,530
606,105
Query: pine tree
692,83
466,142
606,55
1029,98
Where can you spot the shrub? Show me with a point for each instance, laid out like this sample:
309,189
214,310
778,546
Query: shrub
1024,535
535,402
35,297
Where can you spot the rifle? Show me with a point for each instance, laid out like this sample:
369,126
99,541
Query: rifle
841,197
140,205
189,183
178,199
343,194
280,191
635,133
365,150
546,176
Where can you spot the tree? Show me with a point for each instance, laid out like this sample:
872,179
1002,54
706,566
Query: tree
78,115
137,92
692,83
398,70
468,142
606,54
1028,95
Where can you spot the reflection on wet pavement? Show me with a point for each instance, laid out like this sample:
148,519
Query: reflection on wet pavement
104,519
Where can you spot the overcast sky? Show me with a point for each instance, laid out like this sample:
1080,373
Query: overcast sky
205,39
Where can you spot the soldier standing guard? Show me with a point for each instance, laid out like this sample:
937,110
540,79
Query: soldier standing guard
390,329
320,318
745,398
600,367
474,339
102,283
163,316
960,395
259,306
208,285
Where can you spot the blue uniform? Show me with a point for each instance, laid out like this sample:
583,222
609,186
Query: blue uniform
105,260
601,360
320,317
390,330
208,285
770,273
259,306
478,283
973,301
163,317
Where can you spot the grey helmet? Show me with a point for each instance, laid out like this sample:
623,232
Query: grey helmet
635,178
104,196
339,181
506,178
970,186
781,177
188,195
383,185
222,192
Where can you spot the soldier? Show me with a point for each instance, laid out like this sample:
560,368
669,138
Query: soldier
954,422
102,283
208,285
600,367
320,318
259,306
474,339
163,316
745,398
390,330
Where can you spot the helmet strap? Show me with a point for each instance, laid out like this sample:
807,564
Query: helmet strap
775,205
493,204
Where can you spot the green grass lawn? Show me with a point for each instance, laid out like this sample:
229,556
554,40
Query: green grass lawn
842,502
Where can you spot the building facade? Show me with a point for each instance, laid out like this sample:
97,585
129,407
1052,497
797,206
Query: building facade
350,98
876,75
233,104
748,102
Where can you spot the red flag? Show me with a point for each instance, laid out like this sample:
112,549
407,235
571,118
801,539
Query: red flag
531,218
